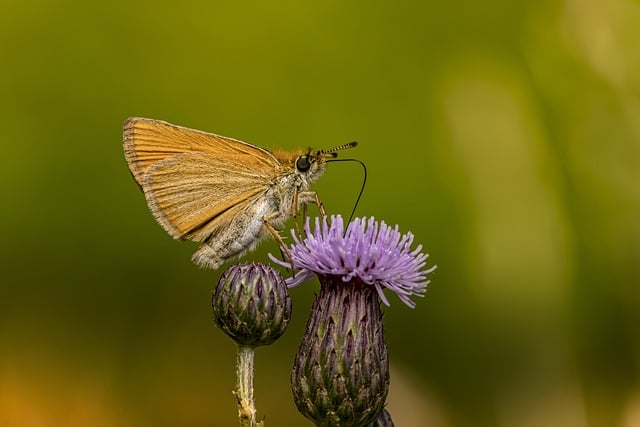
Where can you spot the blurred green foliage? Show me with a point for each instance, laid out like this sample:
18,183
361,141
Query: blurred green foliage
504,135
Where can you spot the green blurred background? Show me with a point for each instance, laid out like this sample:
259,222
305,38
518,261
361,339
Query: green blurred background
505,135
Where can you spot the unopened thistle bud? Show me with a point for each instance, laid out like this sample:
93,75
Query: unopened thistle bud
251,304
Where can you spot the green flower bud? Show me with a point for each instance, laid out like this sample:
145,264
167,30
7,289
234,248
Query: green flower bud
340,376
251,304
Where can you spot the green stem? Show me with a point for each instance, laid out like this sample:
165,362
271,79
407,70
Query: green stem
244,387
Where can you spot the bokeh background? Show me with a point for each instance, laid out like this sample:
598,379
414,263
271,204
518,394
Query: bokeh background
505,135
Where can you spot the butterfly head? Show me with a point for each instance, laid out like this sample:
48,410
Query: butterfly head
312,164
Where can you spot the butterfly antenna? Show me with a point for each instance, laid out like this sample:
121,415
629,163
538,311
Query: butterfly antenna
341,147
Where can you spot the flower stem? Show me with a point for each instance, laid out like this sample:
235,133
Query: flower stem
244,387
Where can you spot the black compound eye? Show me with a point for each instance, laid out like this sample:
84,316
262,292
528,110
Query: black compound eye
303,164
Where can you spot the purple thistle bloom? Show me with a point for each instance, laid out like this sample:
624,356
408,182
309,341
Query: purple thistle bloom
369,251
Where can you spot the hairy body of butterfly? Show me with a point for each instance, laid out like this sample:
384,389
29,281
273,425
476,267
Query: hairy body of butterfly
218,191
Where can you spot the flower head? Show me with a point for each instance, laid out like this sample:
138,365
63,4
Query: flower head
369,251
251,304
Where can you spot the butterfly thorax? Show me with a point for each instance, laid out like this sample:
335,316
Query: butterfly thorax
297,172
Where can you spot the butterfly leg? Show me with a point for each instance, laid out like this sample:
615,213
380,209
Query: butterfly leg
294,210
306,197
320,205
304,211
284,252
271,229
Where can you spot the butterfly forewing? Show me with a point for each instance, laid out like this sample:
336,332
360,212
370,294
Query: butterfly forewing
194,180
148,141
188,192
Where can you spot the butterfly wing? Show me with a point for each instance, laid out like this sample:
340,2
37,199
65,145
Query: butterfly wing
194,182
193,194
148,141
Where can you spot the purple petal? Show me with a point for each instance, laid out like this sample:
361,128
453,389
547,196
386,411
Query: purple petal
369,250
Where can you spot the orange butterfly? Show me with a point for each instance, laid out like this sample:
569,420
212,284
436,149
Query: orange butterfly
218,191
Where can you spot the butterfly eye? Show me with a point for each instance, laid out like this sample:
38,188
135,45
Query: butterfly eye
303,164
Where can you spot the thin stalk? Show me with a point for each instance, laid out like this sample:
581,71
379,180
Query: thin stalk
244,387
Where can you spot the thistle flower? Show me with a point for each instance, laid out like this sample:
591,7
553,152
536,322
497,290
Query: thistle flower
370,251
340,375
